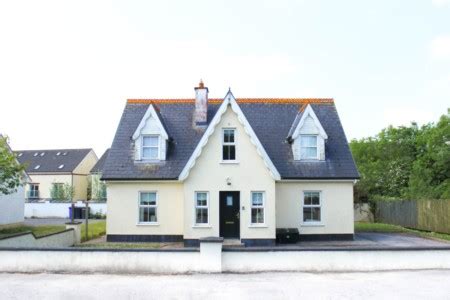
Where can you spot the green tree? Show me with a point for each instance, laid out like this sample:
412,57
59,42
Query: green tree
62,191
11,171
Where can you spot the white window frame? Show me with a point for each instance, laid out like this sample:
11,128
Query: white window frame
158,157
301,146
207,224
139,222
235,160
254,207
320,205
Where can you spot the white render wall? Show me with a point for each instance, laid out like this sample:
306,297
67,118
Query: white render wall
248,174
49,209
337,206
12,207
123,209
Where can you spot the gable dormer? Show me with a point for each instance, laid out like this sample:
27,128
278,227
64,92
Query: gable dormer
150,138
308,138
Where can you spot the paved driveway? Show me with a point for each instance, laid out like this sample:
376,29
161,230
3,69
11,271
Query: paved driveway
431,284
52,221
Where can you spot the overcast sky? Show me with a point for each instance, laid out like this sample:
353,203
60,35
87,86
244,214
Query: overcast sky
67,67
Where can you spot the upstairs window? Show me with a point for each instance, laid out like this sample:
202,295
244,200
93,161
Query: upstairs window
150,147
229,145
308,147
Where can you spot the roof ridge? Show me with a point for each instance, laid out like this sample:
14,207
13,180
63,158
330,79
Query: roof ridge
239,100
64,149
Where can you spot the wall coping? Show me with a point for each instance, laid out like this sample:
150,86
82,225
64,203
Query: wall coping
36,237
211,239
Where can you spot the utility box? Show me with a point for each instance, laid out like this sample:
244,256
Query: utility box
287,235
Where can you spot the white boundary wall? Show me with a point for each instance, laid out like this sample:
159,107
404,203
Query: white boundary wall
49,209
211,259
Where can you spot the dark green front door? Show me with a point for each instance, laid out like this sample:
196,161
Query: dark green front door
229,215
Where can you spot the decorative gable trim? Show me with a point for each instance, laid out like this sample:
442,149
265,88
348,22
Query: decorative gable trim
309,112
229,100
151,112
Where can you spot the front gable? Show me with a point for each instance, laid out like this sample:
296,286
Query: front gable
231,110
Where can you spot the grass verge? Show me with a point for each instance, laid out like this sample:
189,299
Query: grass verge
110,245
381,227
37,230
95,230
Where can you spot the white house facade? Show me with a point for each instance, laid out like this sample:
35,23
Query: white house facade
185,169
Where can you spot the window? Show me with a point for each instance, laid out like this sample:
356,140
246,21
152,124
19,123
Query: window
308,147
37,167
257,208
60,166
58,154
311,207
150,147
147,207
33,192
43,153
20,155
201,207
228,145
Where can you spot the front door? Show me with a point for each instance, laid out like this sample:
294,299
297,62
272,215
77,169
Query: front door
229,215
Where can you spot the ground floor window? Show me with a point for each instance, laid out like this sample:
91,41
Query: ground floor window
201,207
148,207
33,192
312,207
257,208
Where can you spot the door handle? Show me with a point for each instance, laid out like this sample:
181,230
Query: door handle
237,216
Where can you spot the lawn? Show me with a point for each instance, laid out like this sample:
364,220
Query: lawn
36,230
95,230
381,227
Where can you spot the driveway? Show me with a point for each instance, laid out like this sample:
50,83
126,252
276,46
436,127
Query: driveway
431,284
53,221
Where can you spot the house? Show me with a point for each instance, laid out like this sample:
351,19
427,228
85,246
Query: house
184,169
49,170
12,205
97,186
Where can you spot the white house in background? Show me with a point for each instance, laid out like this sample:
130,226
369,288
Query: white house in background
48,168
185,169
12,205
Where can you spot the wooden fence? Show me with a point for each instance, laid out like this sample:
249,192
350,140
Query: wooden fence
430,215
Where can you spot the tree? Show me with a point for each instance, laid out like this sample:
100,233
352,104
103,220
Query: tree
62,191
11,171
405,162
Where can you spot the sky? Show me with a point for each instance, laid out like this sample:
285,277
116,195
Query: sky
67,67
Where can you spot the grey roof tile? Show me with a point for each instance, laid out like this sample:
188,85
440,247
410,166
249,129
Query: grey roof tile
271,122
49,161
98,167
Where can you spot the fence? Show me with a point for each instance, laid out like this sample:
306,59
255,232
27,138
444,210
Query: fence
430,215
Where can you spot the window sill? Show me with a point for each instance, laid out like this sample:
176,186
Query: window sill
230,162
201,226
312,224
258,226
147,224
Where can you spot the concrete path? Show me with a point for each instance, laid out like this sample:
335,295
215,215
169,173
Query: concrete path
431,284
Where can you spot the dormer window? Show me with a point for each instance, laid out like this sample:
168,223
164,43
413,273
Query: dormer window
150,147
308,147
307,136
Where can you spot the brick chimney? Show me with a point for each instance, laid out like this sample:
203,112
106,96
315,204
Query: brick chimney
201,104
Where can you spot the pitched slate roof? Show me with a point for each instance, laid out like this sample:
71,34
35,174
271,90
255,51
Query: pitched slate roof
271,119
98,167
51,161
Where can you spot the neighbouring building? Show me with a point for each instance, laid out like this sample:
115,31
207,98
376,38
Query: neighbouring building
98,186
12,205
238,168
50,170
